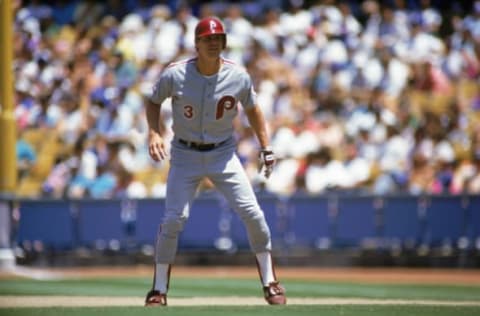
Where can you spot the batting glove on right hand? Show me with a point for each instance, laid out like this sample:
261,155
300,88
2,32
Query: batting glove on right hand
266,161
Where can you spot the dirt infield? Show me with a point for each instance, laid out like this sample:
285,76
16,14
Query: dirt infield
89,301
360,275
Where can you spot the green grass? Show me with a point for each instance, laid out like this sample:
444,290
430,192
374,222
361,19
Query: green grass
348,310
188,287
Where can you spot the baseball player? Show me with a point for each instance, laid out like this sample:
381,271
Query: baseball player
205,93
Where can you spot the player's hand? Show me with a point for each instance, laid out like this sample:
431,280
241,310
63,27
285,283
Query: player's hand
156,146
266,161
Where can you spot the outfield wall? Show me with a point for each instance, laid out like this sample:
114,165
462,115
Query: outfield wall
394,224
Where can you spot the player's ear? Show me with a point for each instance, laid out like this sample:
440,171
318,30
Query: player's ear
196,44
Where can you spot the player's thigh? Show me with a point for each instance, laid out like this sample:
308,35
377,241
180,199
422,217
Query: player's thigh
181,188
234,184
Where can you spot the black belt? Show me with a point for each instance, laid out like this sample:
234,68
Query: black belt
200,146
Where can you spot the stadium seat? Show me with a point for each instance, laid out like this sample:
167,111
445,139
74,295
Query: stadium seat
43,166
439,103
150,176
419,101
431,102
29,187
467,89
33,136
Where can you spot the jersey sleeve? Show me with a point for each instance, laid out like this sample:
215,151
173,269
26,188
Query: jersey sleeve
162,88
249,96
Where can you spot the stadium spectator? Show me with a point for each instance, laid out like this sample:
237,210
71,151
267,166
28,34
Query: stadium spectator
26,156
337,81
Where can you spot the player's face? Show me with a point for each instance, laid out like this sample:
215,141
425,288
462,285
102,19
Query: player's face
210,45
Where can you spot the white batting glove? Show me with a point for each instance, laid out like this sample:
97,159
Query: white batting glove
266,161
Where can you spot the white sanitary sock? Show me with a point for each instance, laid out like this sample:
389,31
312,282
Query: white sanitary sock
264,260
161,277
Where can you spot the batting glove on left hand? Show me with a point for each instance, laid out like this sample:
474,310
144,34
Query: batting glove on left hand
266,161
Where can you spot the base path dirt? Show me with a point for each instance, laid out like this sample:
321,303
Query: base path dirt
360,275
90,301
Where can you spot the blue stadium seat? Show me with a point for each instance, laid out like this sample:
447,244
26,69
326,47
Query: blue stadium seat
309,223
99,222
401,221
445,220
355,223
48,221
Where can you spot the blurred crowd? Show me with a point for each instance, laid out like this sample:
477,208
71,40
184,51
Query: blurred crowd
339,83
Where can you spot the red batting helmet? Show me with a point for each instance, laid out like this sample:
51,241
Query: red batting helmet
210,26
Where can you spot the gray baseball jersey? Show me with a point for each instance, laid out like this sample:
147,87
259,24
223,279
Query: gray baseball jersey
203,108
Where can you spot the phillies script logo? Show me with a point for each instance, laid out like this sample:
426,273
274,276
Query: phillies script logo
225,103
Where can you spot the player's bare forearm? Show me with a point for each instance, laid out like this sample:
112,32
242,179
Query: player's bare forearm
153,118
156,146
258,123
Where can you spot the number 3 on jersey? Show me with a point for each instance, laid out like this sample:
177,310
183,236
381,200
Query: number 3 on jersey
188,111
226,103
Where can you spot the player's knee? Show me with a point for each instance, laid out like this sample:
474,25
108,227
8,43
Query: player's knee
172,226
251,214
